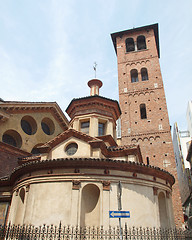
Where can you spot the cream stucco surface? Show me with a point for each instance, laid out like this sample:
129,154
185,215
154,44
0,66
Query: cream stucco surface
94,120
52,199
83,150
39,137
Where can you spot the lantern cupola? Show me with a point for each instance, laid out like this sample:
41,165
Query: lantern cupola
94,115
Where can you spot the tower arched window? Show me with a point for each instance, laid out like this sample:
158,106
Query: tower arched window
144,74
147,158
141,43
134,75
143,111
130,45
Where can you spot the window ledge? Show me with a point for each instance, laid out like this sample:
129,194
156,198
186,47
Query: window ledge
137,51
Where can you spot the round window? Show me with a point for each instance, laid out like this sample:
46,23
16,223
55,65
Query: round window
48,126
45,128
12,137
71,149
9,140
35,149
28,124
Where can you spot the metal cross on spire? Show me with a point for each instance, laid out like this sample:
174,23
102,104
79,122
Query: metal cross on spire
95,68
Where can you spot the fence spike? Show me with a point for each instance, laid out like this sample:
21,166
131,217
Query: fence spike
45,232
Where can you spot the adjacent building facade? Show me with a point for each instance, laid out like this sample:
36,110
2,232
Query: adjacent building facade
189,117
182,146
181,142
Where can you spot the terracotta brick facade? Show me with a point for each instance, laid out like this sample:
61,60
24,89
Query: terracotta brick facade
9,158
153,132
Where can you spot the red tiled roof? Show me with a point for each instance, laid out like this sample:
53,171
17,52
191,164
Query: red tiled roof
91,163
65,135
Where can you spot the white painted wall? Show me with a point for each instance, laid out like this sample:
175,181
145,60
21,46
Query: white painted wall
180,150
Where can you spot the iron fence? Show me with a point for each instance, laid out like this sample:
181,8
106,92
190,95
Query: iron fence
45,232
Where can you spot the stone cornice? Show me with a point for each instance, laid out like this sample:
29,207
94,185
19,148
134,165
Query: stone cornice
90,163
127,32
113,151
90,104
63,136
109,139
93,113
3,116
11,107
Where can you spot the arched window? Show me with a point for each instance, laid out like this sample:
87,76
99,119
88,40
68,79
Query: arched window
144,74
13,138
130,46
143,111
147,158
141,43
134,75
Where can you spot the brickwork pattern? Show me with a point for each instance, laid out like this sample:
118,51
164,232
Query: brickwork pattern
153,133
9,158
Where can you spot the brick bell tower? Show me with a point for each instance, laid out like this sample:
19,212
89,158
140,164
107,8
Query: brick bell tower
144,118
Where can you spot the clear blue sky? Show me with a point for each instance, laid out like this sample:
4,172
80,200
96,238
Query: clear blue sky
48,47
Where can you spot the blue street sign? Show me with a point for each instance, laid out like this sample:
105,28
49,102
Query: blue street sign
119,214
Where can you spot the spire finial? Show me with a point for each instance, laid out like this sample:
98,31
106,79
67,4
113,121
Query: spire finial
95,68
